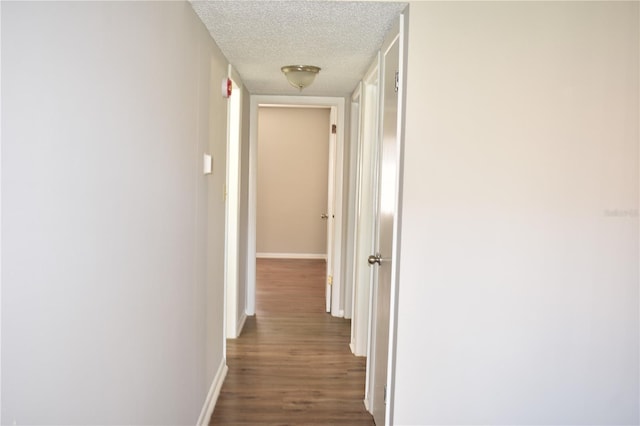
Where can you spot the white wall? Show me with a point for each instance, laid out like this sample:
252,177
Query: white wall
112,280
518,294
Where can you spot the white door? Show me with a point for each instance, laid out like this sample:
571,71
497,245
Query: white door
329,215
384,259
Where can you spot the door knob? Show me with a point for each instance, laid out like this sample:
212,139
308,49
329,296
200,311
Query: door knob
374,258
324,216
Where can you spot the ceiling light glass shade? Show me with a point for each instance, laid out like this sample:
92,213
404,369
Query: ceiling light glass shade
300,76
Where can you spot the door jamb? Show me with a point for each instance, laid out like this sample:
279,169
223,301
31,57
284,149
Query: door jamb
350,209
362,291
0,237
330,212
233,326
256,101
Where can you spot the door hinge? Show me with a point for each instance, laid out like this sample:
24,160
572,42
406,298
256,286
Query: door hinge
334,129
330,279
397,81
385,394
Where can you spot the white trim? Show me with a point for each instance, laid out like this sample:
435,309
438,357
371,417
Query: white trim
0,225
250,261
232,201
293,106
212,396
364,206
241,321
233,75
373,71
339,215
357,93
256,101
331,210
322,256
355,124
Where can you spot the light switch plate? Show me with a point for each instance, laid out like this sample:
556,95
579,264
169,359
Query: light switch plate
207,164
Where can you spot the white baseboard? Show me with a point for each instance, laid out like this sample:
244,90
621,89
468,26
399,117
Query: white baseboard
338,314
322,256
366,405
354,350
240,324
212,396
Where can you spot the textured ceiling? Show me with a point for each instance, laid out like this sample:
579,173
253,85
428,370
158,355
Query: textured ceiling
259,37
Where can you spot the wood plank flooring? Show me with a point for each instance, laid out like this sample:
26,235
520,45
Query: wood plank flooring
292,364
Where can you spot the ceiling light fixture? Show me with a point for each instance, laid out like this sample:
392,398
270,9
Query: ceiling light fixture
300,76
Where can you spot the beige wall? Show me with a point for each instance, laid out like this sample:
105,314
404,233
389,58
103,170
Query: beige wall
112,237
518,293
293,150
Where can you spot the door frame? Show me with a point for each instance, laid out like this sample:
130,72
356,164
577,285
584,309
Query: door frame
331,102
364,230
330,213
350,209
0,232
233,321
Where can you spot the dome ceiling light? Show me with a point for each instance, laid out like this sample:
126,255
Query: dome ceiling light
300,76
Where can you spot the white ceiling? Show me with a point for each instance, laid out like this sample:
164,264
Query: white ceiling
259,37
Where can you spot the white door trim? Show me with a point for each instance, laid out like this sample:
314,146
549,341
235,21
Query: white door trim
365,202
0,232
331,209
350,209
309,101
232,198
338,215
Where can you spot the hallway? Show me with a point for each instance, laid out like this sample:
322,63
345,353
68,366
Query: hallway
292,364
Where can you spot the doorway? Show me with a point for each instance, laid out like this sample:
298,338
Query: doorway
333,281
292,190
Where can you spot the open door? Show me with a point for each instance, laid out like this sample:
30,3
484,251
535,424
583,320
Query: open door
385,257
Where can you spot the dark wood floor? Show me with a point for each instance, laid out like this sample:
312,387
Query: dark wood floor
292,364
